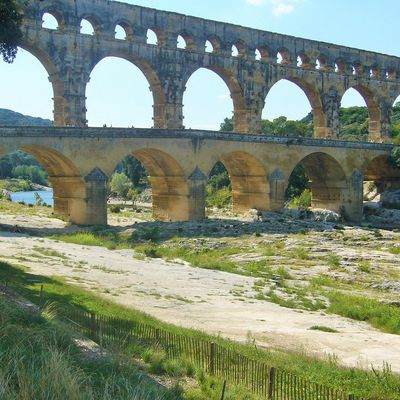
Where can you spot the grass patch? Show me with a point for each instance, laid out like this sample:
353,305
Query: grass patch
333,261
39,361
383,316
323,329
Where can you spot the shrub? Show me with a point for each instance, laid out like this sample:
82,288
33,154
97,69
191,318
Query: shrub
115,209
302,201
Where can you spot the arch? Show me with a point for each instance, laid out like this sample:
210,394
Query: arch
41,65
169,185
304,61
69,190
321,62
374,112
283,56
185,41
55,163
262,54
379,168
327,180
155,36
235,94
357,68
89,25
391,73
314,100
212,44
250,187
381,172
123,30
181,42
238,49
374,72
151,77
52,19
340,65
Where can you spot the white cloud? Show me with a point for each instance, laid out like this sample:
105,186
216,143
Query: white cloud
283,8
279,7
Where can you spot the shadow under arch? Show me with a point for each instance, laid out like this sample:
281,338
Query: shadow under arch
239,104
374,112
327,180
250,187
69,190
159,100
380,169
314,98
169,184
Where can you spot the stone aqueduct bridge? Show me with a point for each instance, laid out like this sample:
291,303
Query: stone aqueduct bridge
79,159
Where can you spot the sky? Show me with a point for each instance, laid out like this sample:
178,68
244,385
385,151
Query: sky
118,94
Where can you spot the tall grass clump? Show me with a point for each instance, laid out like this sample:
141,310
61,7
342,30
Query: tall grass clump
39,361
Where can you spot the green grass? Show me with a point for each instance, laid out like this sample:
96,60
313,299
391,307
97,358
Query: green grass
323,329
40,361
362,308
332,260
361,383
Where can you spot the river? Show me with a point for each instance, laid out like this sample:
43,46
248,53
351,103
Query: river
29,197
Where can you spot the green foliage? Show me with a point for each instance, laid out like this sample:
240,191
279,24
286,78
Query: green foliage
298,183
301,201
31,173
394,158
219,188
220,199
120,184
227,125
38,199
115,209
10,29
135,171
362,308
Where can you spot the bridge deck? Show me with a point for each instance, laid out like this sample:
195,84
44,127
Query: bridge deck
100,132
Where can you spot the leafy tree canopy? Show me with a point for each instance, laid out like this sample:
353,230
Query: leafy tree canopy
10,29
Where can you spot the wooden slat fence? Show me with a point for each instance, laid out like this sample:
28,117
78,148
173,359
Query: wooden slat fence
263,380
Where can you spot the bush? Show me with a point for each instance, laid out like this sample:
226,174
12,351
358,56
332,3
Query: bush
120,184
302,201
220,199
115,209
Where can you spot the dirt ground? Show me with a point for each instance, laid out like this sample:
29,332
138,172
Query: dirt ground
195,298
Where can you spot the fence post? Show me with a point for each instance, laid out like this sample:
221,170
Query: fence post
223,390
212,358
271,383
41,296
158,335
93,325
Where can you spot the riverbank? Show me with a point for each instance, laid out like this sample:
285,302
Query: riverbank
12,185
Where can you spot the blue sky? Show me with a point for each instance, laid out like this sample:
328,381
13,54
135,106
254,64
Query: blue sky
125,100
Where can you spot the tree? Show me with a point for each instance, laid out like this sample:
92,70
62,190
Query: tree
135,171
10,29
120,184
